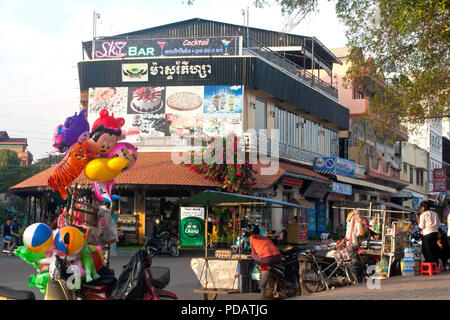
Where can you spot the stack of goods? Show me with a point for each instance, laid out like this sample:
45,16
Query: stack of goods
409,262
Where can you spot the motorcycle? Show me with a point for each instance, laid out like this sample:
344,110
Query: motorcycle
280,281
138,281
163,243
242,243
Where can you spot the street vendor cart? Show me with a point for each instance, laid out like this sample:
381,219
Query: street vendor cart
393,221
227,272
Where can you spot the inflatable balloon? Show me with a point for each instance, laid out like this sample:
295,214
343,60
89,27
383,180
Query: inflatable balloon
88,263
68,241
40,281
105,132
29,257
69,168
124,150
38,237
104,169
97,257
75,129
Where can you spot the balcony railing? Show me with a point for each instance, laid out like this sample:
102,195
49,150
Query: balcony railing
262,144
293,69
382,167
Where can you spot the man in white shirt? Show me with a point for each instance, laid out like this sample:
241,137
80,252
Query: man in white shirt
429,223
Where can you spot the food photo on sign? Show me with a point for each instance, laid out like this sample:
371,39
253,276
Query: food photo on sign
223,99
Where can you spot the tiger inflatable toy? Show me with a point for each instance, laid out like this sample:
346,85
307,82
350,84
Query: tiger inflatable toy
69,168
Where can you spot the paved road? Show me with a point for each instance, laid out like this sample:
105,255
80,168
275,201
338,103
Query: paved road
435,287
14,273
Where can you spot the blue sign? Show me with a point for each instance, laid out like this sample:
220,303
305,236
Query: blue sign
311,222
335,165
321,217
342,188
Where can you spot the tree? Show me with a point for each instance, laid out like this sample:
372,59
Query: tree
411,36
8,158
408,36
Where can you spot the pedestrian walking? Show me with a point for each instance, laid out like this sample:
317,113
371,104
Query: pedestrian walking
429,224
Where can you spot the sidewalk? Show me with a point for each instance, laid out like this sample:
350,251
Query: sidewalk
435,287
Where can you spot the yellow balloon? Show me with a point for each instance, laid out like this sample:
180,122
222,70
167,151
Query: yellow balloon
104,169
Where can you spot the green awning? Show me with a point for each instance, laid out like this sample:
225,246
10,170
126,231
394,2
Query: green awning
216,198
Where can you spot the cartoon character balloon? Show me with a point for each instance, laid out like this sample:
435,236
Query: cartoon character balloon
103,171
68,241
69,168
75,129
105,132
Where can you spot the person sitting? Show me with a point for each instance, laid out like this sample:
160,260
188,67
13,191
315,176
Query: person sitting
15,236
263,249
7,233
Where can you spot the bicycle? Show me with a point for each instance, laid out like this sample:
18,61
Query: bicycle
318,273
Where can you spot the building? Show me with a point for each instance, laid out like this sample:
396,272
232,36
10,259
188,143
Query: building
18,145
207,78
377,161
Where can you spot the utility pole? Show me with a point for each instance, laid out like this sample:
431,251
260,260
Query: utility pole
94,31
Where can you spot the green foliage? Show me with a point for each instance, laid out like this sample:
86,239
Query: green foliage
235,176
410,35
8,158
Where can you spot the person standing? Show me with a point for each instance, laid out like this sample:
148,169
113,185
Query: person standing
429,223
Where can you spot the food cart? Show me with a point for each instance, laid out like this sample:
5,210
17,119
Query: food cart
227,273
394,226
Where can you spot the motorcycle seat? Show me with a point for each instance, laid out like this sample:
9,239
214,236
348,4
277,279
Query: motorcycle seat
159,276
16,294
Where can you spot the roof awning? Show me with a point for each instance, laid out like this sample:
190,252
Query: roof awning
218,198
365,184
366,204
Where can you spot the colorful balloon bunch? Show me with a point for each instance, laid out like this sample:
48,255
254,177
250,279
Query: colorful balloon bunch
42,245
96,152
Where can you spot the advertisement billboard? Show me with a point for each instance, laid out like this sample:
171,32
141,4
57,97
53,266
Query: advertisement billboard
138,48
160,116
192,226
335,165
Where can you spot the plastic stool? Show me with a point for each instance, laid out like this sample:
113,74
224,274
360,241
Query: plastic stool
429,268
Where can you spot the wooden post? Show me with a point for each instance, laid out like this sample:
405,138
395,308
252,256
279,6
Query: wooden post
29,210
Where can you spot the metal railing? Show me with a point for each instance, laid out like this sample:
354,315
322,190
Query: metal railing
295,70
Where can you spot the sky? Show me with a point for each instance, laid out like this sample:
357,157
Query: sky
40,46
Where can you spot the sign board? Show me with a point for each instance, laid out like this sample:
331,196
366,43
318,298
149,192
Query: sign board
139,48
160,116
134,72
439,180
335,165
317,190
342,188
321,217
192,226
292,181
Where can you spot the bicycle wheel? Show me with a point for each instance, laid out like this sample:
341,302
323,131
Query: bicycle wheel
310,278
351,276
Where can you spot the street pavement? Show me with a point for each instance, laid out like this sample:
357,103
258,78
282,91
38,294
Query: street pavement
14,273
425,287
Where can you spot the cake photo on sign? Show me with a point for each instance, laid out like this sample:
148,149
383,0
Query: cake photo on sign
146,99
184,101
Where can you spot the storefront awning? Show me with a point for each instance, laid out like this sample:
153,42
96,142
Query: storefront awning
366,184
216,198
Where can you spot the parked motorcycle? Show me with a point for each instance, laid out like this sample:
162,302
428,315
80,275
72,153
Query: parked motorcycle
280,281
138,281
163,243
242,243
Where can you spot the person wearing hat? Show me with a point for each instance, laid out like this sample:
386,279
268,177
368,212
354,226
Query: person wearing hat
429,224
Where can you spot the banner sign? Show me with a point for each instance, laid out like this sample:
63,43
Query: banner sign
342,188
161,116
192,226
321,217
292,182
336,166
139,48
439,180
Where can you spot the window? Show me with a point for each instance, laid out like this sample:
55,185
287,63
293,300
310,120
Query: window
260,115
311,135
405,168
419,177
287,123
358,93
411,175
330,143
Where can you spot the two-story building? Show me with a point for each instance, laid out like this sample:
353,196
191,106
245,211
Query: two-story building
207,78
18,145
